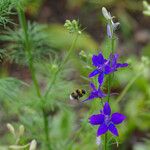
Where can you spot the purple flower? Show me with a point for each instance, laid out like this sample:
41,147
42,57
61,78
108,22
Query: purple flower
106,121
95,93
109,32
104,66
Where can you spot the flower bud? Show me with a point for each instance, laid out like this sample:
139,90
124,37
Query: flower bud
54,67
83,55
18,147
72,26
109,33
21,130
33,145
145,5
11,128
105,13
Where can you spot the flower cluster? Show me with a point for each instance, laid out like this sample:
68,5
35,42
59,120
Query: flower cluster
104,67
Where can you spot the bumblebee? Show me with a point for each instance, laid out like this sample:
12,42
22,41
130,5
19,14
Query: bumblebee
77,94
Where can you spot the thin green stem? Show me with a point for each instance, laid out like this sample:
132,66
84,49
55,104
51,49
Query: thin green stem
127,87
46,130
109,87
105,144
60,67
24,26
109,76
112,40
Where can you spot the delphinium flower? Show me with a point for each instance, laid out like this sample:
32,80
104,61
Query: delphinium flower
104,66
106,120
95,93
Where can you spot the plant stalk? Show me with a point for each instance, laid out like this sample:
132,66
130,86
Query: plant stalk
61,67
112,40
24,26
105,144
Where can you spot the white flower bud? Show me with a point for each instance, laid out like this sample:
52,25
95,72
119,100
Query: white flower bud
106,14
33,145
18,147
11,128
21,130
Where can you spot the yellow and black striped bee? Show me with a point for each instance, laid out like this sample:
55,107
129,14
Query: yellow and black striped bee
78,93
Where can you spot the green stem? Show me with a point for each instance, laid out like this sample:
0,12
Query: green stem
61,67
46,130
112,40
109,87
127,87
105,144
24,26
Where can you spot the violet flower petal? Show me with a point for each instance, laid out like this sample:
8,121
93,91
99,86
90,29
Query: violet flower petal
95,72
102,129
91,96
107,109
95,60
113,129
108,69
119,65
101,59
101,78
117,118
93,86
98,60
96,119
114,59
109,34
100,92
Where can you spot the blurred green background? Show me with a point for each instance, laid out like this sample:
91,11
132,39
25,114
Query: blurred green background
69,127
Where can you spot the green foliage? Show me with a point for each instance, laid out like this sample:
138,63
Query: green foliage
5,11
38,39
9,88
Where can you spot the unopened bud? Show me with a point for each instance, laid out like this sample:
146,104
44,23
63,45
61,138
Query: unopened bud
21,130
106,14
33,145
83,55
18,147
11,128
79,32
72,26
145,4
109,32
54,66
